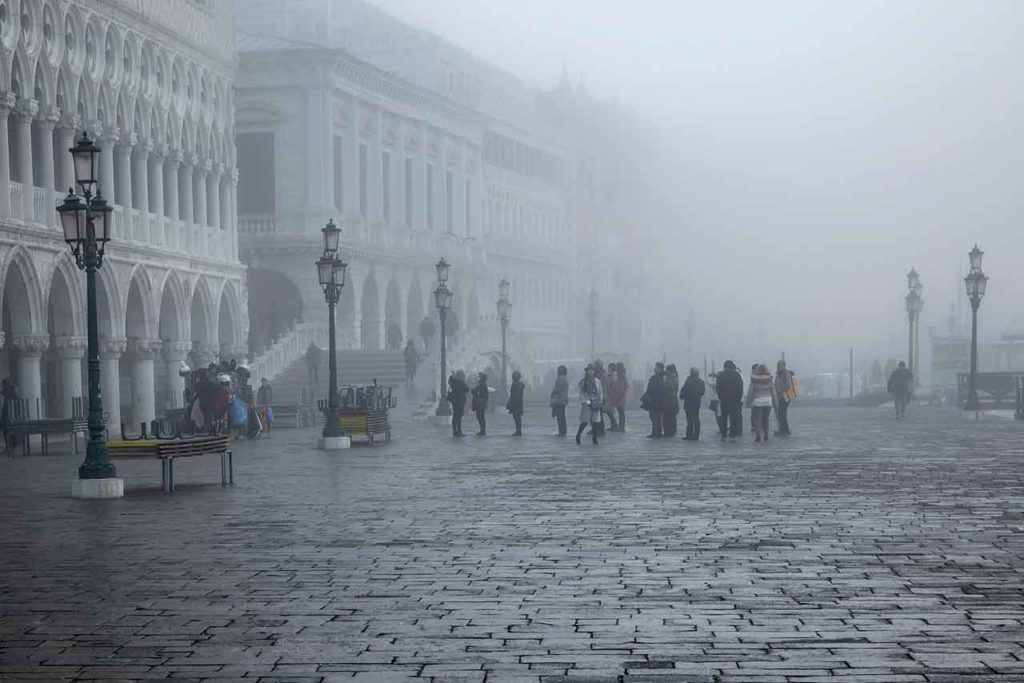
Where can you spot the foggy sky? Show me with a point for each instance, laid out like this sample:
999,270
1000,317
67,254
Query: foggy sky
821,149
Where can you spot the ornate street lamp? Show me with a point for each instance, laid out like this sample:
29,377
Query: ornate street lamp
592,317
330,272
86,225
914,304
504,316
976,283
443,301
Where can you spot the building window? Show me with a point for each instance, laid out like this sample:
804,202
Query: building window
339,178
408,192
362,180
256,186
385,181
449,204
430,197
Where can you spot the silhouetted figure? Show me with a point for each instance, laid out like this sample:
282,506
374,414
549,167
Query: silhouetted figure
761,399
670,402
729,385
618,387
901,388
481,394
591,400
560,399
653,400
412,361
314,357
265,394
515,401
457,392
692,394
786,389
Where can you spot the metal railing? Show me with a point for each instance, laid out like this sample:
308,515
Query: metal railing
286,350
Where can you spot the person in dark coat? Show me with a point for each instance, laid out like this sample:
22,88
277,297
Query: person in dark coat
412,361
729,385
653,400
692,394
670,402
560,399
314,357
786,388
481,394
457,392
901,388
515,401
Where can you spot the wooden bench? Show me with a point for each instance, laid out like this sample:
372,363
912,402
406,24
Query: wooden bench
368,423
290,414
44,428
167,450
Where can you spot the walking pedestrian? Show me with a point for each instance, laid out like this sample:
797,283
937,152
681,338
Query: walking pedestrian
618,387
901,388
481,394
729,386
591,400
606,407
670,402
692,394
515,401
786,388
457,391
753,427
265,394
560,399
652,400
314,356
761,398
412,361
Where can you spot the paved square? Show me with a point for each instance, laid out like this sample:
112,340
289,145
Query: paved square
859,550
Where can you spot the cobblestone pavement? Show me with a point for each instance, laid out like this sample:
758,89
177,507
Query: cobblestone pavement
861,549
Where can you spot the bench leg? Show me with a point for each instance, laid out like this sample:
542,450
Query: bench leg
170,475
163,474
231,468
223,469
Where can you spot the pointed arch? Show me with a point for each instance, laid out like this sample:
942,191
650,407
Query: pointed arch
139,306
44,83
73,318
22,294
202,315
173,323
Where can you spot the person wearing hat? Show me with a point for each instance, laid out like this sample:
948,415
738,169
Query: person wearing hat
729,385
591,404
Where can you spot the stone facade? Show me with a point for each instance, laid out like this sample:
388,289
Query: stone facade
151,80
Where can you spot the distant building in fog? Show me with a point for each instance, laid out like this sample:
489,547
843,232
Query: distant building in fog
424,151
152,82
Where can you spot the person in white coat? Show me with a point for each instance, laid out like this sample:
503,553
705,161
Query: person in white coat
591,403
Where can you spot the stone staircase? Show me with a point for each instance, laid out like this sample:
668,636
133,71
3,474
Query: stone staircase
354,367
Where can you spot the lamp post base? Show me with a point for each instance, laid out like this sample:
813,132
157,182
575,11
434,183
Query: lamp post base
97,488
334,443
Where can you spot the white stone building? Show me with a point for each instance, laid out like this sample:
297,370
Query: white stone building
151,80
424,151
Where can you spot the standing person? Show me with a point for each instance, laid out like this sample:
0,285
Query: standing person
606,407
457,391
753,427
481,394
901,383
591,400
560,399
412,361
618,387
670,402
265,394
314,356
761,398
515,401
692,394
652,400
786,389
729,386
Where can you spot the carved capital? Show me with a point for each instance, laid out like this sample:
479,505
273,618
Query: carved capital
27,108
143,147
7,102
70,120
48,117
204,355
175,157
144,349
31,344
112,349
71,347
176,350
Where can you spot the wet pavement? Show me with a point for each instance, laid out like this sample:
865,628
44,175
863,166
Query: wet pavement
861,549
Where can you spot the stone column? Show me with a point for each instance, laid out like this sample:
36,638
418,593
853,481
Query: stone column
6,105
111,351
140,179
187,204
30,349
201,171
233,211
213,193
107,140
156,160
26,112
171,198
374,176
174,352
71,350
350,161
65,141
223,190
45,125
143,388
123,171
420,181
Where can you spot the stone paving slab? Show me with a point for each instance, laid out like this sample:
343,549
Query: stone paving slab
861,549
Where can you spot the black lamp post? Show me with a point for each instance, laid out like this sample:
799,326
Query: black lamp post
976,282
592,317
504,316
915,304
86,224
331,273
443,301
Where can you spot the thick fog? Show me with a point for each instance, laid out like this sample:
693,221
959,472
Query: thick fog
818,151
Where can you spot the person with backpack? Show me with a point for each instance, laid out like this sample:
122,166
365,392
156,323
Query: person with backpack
786,389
